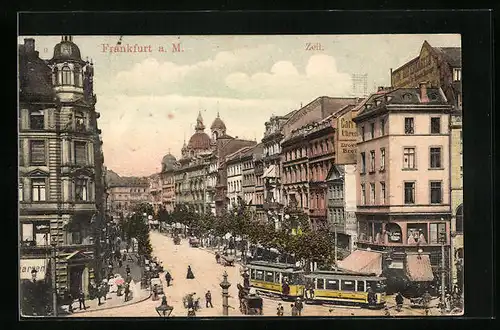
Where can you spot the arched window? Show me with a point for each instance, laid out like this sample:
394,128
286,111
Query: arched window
78,80
66,75
459,219
55,76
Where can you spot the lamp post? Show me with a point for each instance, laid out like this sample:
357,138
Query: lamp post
225,294
53,275
442,238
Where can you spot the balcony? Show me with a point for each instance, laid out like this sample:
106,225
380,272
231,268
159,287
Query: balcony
317,212
335,203
386,242
271,206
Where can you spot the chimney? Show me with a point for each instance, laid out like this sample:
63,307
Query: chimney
29,45
423,92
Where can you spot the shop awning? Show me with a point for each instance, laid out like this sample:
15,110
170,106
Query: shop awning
362,261
270,172
27,266
418,268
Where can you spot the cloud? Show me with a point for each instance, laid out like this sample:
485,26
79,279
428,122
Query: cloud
161,77
320,77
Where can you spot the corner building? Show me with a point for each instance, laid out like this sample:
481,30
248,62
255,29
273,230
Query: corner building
403,202
61,174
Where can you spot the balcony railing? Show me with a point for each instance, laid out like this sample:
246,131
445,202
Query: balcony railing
335,202
317,212
387,242
271,206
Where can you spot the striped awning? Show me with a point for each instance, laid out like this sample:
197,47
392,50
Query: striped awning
362,261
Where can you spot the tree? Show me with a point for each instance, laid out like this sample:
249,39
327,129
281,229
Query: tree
137,227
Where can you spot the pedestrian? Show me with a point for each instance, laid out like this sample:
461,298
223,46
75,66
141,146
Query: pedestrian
189,274
168,278
285,287
120,263
295,312
217,257
104,289
127,291
208,298
155,292
280,310
246,279
81,299
70,302
299,305
399,301
127,269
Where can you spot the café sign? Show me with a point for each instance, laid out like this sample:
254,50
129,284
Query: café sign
347,135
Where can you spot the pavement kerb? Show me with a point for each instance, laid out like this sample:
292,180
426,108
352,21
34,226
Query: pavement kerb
132,302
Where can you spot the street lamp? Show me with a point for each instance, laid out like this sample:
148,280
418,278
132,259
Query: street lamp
54,274
225,294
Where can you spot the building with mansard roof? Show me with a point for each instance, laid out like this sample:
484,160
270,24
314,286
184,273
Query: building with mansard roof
61,173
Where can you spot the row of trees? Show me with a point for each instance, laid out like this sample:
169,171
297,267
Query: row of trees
136,226
294,237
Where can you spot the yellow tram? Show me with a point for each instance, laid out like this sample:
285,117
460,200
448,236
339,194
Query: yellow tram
345,288
267,278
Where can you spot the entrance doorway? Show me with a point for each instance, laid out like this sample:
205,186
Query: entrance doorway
75,279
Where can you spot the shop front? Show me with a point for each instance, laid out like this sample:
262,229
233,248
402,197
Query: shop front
80,272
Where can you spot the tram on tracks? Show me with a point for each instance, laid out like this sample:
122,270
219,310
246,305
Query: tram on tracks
268,279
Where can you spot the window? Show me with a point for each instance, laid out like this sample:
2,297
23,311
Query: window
382,159
360,286
76,237
80,121
37,190
435,156
409,192
37,152
348,285
409,126
55,77
332,285
363,163
362,133
382,192
36,120
259,275
382,127
81,192
436,192
459,101
461,142
363,194
435,125
372,193
80,152
459,227
66,75
372,130
457,74
320,283
372,161
78,81
434,230
21,191
409,158
269,277
27,232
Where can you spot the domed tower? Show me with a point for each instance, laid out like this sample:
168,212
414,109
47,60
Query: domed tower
200,141
168,162
218,128
71,76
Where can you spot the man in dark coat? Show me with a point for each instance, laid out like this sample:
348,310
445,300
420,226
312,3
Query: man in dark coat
168,278
208,298
81,299
399,301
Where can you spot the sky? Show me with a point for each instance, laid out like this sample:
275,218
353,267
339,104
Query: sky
149,101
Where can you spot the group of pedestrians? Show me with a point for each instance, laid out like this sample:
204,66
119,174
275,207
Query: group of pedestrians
295,308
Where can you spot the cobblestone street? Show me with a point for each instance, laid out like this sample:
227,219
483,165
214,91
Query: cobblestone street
208,275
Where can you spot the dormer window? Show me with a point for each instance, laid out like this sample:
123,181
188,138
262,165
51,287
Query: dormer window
66,75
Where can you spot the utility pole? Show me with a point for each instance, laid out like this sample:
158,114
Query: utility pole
335,246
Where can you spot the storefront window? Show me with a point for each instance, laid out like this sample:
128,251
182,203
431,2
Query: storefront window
364,231
435,229
417,233
377,229
394,233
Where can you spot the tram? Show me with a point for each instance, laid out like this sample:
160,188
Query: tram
267,278
345,288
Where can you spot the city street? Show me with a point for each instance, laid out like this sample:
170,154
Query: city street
208,275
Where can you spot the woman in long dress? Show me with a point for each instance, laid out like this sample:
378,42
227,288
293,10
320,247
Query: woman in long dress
190,274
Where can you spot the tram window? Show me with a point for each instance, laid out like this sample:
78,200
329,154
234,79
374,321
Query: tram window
269,276
360,286
293,279
277,277
348,286
372,285
259,275
320,283
252,274
332,285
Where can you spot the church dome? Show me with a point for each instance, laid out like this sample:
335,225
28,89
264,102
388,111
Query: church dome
168,162
218,124
199,140
66,50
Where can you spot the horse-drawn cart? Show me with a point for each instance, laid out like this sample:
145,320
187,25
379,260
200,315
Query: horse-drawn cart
250,302
227,260
177,240
194,242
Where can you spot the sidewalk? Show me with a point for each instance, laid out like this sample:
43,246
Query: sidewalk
113,300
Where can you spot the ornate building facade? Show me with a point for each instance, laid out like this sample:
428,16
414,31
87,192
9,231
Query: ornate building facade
62,185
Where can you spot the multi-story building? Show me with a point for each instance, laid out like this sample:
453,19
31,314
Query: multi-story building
61,186
442,67
201,158
155,191
403,202
248,173
258,170
168,166
124,193
234,165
